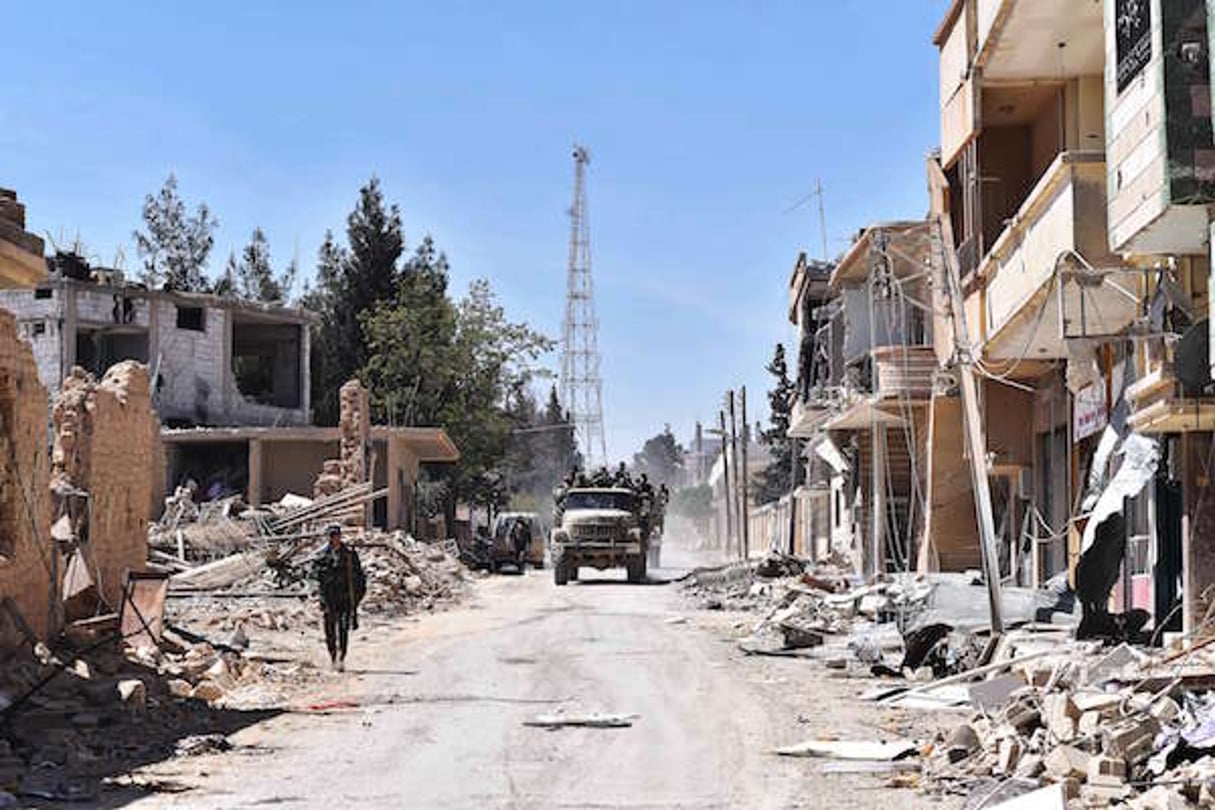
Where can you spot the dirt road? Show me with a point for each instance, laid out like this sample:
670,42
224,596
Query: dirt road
441,706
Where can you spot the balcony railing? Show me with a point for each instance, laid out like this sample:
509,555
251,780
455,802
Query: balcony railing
1063,216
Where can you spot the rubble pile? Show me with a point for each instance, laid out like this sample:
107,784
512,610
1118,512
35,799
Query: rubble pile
71,720
1112,728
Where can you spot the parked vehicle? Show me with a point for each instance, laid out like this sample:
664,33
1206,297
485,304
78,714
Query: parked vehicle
533,553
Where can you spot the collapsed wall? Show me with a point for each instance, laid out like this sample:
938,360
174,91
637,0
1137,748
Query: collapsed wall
28,562
107,443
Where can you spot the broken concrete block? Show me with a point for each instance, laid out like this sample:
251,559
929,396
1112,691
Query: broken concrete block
1130,739
962,742
1159,798
221,674
1030,767
1066,762
992,694
208,691
239,640
1060,715
1089,725
1008,755
1101,769
1022,713
133,693
1103,795
179,688
1165,709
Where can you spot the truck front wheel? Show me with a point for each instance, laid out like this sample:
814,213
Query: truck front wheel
636,569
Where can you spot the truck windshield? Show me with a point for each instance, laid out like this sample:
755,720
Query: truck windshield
600,500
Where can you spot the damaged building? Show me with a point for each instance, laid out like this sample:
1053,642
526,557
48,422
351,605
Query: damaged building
215,360
75,517
263,464
1065,268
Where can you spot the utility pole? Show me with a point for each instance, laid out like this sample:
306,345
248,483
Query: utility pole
734,457
794,458
725,464
822,215
743,482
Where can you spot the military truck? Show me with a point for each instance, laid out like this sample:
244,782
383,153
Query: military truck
599,528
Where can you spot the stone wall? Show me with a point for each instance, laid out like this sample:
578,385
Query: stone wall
28,562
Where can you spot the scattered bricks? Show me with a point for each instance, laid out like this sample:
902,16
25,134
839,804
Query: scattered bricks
1131,739
1066,762
133,694
1060,715
1009,755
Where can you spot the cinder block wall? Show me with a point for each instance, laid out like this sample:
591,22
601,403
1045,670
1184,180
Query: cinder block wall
26,552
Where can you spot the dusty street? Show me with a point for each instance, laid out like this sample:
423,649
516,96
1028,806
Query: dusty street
441,706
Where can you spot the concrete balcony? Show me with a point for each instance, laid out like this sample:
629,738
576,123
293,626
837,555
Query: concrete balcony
1019,40
1050,275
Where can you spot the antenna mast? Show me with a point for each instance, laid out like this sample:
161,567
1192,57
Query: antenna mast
581,386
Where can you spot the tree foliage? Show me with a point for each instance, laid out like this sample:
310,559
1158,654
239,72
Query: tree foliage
252,276
776,480
661,458
175,246
352,280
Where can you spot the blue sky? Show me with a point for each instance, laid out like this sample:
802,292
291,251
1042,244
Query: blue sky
706,120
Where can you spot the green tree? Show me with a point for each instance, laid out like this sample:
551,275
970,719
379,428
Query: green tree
175,246
252,277
352,281
776,480
661,458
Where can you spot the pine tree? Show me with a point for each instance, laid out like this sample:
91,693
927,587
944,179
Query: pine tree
775,480
175,247
253,277
351,282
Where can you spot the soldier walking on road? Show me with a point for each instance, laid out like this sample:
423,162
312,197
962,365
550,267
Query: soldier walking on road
342,583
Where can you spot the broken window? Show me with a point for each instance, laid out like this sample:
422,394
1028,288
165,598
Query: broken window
190,318
39,328
266,361
44,292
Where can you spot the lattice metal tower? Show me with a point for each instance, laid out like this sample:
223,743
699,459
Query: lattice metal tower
581,386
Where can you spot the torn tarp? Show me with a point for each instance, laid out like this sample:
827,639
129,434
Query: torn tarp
1140,455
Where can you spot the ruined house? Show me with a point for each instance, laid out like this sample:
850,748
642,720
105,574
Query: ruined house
215,361
262,464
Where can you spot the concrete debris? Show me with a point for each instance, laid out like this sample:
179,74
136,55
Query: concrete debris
592,720
850,749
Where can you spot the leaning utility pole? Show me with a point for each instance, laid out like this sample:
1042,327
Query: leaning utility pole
945,260
581,387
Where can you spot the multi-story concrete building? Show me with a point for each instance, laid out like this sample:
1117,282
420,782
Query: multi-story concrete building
865,375
214,361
